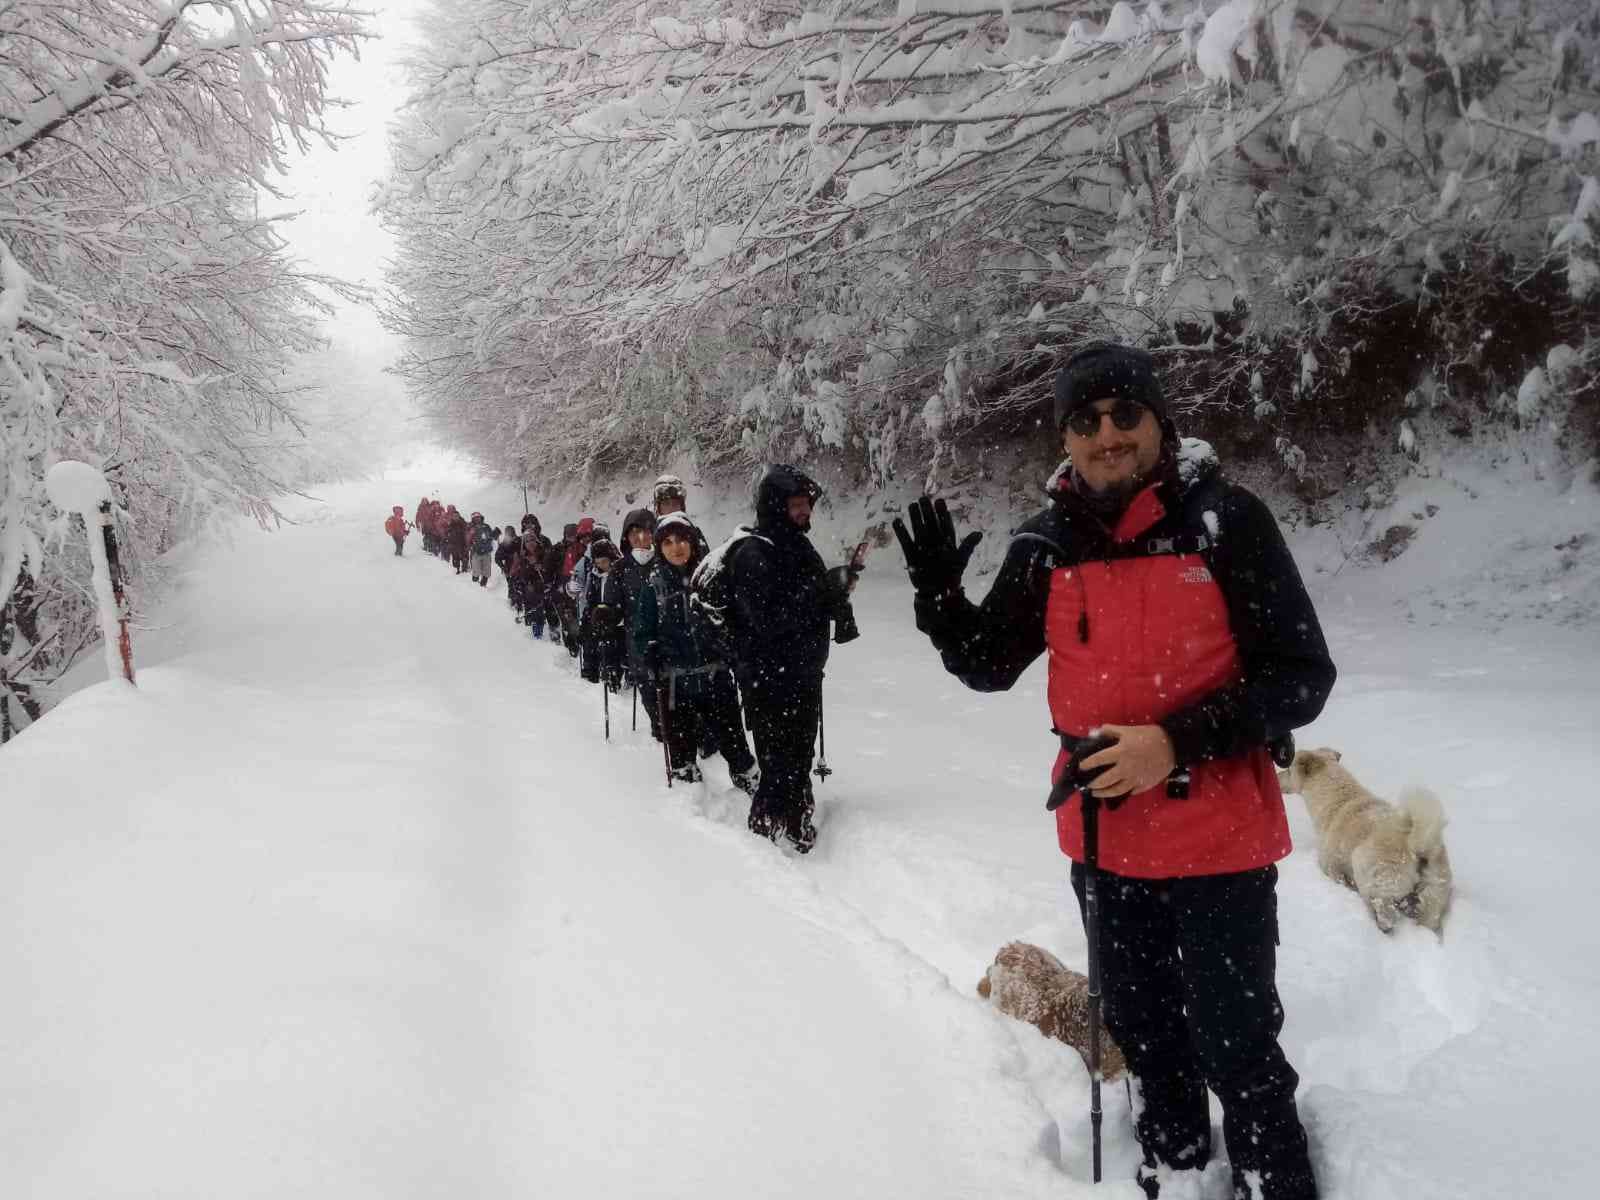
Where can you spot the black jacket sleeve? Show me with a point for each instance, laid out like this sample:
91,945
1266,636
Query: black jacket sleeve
1287,673
988,647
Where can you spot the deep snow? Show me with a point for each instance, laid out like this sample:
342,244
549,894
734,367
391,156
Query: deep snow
351,899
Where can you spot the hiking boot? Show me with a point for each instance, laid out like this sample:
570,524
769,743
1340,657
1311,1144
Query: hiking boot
688,774
747,781
763,826
802,834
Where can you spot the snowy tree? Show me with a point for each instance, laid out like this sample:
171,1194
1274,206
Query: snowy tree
785,230
146,312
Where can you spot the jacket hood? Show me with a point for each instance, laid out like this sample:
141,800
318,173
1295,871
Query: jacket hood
777,484
585,527
640,517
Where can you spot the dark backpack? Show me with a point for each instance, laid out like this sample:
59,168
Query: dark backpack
711,598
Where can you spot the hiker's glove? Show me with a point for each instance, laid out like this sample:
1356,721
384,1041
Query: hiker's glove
933,560
844,625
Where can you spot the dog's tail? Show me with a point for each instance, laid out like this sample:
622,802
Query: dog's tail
1427,820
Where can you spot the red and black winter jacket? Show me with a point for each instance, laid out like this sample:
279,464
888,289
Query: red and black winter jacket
1190,614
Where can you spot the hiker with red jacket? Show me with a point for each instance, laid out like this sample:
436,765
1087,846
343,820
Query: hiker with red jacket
455,539
397,528
1175,623
433,528
419,522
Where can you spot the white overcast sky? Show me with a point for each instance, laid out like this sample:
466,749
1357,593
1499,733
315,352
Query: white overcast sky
335,233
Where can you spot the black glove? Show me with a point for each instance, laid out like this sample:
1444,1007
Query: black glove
652,658
933,560
844,625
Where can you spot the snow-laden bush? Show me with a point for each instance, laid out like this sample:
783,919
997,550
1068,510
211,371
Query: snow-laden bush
630,229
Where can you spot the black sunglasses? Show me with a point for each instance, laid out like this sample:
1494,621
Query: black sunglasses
1125,414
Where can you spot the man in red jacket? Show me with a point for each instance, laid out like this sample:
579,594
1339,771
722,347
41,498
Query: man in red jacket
1176,622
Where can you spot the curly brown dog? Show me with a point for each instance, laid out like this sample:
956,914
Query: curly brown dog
1031,985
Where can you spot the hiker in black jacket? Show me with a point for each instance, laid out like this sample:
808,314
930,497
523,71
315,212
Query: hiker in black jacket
782,601
692,685
638,560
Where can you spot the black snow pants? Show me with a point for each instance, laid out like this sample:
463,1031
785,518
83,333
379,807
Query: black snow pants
704,707
782,709
1188,969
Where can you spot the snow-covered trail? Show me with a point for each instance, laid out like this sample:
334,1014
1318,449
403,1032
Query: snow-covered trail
353,899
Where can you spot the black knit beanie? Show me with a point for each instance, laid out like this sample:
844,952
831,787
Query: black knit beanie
1103,371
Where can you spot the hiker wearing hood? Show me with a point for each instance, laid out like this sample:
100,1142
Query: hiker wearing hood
782,601
638,558
601,626
693,687
1177,624
505,548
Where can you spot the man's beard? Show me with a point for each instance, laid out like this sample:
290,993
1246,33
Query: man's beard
1110,501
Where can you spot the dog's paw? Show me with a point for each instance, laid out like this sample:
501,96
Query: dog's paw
1386,914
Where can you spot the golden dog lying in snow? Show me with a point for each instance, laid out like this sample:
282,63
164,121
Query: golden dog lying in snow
1392,855
1031,985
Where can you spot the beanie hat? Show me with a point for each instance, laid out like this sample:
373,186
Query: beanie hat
1104,371
602,548
680,524
670,487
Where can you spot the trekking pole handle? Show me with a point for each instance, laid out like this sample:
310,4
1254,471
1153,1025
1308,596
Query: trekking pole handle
1073,777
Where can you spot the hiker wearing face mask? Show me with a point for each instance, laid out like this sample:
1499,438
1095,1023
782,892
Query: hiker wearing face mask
638,556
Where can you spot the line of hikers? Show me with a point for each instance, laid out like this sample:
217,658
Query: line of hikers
694,630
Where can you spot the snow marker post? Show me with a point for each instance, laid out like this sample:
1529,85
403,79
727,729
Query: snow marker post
77,487
114,567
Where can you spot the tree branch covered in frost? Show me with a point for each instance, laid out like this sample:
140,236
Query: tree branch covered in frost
628,228
147,314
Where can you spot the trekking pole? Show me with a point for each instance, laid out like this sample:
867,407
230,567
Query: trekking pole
1091,921
636,703
664,705
605,691
823,769
1074,778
